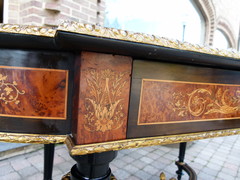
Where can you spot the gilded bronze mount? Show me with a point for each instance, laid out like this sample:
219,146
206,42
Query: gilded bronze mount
111,33
144,142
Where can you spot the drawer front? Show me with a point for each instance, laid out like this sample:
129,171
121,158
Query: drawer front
168,99
36,89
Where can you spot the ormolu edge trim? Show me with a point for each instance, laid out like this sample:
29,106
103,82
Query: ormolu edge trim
31,138
112,33
29,30
143,142
98,31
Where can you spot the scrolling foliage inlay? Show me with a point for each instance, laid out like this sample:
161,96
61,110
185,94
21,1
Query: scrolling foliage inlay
9,91
176,101
104,103
203,102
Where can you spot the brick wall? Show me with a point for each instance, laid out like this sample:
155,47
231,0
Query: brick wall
53,12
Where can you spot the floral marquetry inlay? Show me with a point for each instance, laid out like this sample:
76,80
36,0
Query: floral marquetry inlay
104,102
165,101
103,97
9,91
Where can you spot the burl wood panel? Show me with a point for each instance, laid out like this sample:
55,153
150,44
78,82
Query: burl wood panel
33,92
103,97
165,101
181,120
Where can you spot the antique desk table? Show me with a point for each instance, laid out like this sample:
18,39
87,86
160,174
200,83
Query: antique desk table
100,90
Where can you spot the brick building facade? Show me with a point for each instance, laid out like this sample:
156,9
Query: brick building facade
53,12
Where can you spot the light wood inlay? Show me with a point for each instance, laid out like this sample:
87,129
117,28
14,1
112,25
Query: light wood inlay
165,101
103,97
33,92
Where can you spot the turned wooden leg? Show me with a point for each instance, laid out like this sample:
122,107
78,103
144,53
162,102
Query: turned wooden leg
48,161
92,166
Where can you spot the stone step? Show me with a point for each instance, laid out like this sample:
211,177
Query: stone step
8,150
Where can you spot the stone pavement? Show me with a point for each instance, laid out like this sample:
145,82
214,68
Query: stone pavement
212,159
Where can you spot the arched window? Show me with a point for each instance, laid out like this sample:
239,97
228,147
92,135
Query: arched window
220,40
172,19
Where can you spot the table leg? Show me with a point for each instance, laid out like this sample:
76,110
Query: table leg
182,150
182,166
48,161
92,166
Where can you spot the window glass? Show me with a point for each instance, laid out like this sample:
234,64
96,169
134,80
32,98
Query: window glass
220,40
172,19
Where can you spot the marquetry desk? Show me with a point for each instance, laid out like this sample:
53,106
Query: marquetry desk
100,90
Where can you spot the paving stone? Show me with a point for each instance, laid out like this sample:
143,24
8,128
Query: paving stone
150,169
164,160
131,168
57,171
146,159
37,176
11,176
200,161
189,158
230,166
152,155
58,177
216,161
39,166
119,163
210,171
196,166
214,166
149,149
58,159
121,174
225,176
6,169
31,154
159,164
154,177
143,175
135,155
127,159
64,167
221,155
159,152
139,164
171,157
113,167
229,171
133,178
205,176
165,148
66,156
35,159
4,163
171,169
28,171
142,152
20,164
